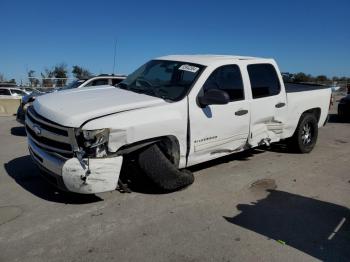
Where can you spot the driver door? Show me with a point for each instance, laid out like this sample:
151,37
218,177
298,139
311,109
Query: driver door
218,130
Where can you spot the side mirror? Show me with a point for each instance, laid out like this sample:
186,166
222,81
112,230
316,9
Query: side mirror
214,97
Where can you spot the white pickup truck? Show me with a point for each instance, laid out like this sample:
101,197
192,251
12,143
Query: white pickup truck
171,113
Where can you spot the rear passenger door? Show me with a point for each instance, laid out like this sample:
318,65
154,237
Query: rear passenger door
268,104
218,130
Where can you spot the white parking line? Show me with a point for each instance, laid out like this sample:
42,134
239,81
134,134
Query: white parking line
337,228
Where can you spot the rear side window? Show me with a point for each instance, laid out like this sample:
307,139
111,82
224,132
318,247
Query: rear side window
4,92
227,78
98,82
263,80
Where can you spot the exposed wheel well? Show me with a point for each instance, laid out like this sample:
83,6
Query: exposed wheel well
316,111
168,144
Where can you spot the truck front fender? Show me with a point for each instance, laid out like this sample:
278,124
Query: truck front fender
135,129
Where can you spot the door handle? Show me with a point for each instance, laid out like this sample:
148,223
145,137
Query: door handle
241,112
279,105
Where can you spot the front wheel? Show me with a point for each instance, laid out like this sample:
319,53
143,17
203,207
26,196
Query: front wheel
305,136
162,172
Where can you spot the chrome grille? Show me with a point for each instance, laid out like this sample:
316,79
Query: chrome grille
49,135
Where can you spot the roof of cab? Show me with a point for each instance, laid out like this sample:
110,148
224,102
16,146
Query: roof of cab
208,59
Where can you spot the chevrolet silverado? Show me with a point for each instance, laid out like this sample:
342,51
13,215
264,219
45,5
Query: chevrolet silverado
171,113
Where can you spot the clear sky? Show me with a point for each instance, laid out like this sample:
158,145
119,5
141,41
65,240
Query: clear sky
311,35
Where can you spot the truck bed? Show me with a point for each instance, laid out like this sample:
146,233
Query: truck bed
295,87
302,97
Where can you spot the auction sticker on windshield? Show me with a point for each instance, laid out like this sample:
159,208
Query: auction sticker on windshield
189,68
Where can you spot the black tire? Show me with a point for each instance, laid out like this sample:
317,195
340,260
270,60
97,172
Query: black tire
305,136
161,171
20,115
340,113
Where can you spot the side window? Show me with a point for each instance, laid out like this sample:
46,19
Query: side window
4,92
227,78
116,81
99,82
263,80
18,92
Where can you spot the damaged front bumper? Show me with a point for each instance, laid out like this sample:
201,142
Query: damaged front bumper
95,176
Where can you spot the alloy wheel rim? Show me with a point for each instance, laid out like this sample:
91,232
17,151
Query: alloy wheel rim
306,134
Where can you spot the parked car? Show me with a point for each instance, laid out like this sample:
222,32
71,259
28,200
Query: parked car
28,90
171,113
11,92
100,80
92,81
344,107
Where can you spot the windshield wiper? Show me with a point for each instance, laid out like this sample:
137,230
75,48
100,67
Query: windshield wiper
143,91
136,90
149,92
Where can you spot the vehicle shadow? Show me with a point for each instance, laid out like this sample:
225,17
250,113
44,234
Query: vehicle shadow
315,227
334,118
18,131
280,147
136,181
27,175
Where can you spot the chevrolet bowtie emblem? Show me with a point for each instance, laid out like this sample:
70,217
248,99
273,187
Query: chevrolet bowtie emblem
37,130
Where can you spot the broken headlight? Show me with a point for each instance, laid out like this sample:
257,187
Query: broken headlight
94,138
94,142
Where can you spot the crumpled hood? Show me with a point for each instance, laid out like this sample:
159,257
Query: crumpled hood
74,107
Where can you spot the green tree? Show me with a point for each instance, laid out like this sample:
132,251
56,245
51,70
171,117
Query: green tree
321,78
335,78
47,76
80,72
301,77
60,71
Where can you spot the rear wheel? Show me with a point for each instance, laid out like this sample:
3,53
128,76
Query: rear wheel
162,171
305,136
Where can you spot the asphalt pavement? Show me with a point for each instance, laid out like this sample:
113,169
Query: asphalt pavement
265,204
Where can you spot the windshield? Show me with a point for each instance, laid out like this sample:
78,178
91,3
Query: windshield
73,84
169,80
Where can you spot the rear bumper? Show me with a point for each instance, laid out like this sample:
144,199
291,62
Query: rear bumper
92,176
